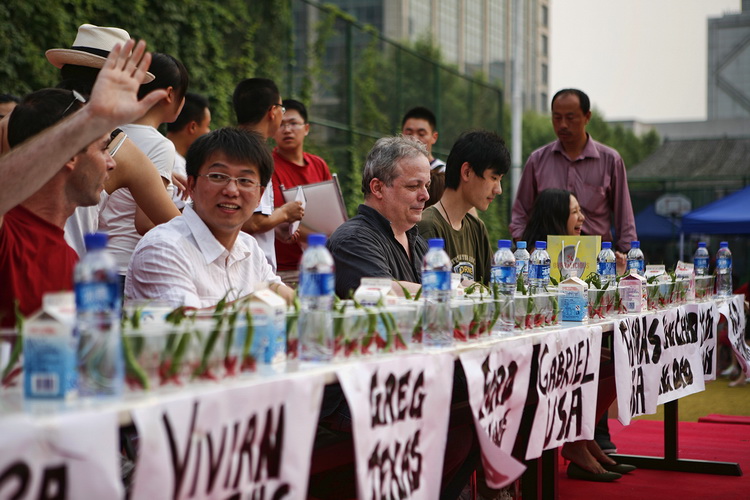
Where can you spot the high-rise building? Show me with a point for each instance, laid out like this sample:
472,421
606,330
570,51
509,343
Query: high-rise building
474,35
729,65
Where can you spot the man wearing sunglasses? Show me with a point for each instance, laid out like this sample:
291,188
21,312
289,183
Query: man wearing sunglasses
55,167
204,256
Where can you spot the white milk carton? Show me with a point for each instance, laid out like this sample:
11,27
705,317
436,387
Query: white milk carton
49,349
268,329
656,270
573,299
633,292
372,291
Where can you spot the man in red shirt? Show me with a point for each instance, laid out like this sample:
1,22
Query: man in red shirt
53,168
293,167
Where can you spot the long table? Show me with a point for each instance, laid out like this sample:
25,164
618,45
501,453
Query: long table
181,432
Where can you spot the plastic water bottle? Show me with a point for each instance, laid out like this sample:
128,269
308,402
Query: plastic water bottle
724,270
98,312
504,278
539,267
700,259
522,262
635,258
504,268
606,264
316,289
437,320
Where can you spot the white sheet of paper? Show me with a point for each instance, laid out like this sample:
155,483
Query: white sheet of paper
299,196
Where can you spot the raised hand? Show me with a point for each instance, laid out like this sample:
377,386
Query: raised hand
114,98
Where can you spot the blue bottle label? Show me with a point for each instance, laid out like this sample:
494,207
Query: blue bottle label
724,263
97,296
605,268
436,280
504,274
636,264
700,262
539,272
316,284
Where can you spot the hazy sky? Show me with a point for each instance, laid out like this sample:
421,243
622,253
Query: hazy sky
636,59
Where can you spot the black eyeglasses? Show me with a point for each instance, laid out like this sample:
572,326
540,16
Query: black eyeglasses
283,109
76,97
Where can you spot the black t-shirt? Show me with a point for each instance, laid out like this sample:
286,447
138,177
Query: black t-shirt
364,247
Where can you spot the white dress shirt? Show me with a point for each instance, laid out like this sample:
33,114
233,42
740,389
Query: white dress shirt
182,263
267,240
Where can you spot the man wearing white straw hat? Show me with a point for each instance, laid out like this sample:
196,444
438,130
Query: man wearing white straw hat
52,170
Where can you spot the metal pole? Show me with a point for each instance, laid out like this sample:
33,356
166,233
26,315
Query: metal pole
350,90
516,100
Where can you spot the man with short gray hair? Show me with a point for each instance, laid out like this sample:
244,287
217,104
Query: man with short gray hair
381,241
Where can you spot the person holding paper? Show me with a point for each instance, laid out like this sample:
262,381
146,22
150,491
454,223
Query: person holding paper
257,104
556,211
476,165
293,167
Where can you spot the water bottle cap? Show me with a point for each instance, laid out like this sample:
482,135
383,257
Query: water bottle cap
316,239
521,244
635,244
503,243
724,244
541,245
702,244
95,241
606,244
436,243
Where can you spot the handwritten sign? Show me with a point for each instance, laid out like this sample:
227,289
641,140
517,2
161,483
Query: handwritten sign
498,381
234,442
681,363
567,379
69,456
706,314
637,346
400,410
734,311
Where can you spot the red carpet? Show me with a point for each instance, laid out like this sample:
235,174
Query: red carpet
697,441
715,418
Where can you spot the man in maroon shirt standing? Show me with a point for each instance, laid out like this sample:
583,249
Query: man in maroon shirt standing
591,170
293,167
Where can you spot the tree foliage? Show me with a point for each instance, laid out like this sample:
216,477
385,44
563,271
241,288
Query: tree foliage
222,43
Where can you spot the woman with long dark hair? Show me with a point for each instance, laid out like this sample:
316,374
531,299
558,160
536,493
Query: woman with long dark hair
556,211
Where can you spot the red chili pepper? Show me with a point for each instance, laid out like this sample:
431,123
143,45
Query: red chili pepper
291,348
9,380
248,364
165,377
459,335
230,365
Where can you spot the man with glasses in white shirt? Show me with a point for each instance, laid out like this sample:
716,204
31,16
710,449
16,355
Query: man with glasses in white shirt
199,258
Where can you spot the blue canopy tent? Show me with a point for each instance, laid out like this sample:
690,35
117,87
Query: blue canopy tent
651,226
729,215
